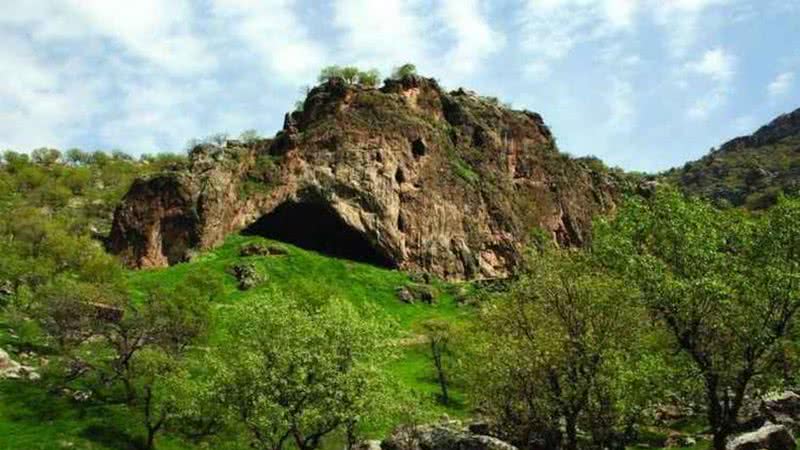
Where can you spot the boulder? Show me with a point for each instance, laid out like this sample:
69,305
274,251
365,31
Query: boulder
782,408
261,249
446,436
247,275
413,292
13,370
679,440
769,437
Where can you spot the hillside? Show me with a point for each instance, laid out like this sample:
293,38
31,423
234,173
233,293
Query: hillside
405,176
33,418
749,170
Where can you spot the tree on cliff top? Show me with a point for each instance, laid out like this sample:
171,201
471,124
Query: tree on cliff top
350,75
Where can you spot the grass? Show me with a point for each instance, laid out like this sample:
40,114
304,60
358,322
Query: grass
32,417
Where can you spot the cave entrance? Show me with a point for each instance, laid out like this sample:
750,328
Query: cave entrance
318,227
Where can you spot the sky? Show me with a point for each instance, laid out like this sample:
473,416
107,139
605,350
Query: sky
643,84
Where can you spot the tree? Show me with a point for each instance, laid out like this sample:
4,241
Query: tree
350,75
45,156
549,346
370,78
403,71
249,136
300,372
328,72
724,285
438,334
139,349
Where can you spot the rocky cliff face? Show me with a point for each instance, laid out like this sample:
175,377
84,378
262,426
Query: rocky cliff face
748,170
405,176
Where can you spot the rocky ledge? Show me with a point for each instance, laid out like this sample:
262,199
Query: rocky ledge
406,176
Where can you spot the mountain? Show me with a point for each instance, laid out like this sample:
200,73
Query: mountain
404,176
750,170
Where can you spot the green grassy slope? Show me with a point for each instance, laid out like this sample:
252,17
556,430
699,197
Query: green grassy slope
33,418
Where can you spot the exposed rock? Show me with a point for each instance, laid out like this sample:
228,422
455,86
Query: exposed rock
14,370
449,436
679,440
407,176
261,249
413,292
748,170
369,445
782,408
770,437
247,275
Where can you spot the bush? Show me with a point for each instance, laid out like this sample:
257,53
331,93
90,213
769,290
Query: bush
403,71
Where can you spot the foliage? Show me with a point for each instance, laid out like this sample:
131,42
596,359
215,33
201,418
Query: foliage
724,284
403,71
549,349
350,75
301,371
751,173
439,334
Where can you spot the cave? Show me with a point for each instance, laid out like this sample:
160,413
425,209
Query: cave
318,227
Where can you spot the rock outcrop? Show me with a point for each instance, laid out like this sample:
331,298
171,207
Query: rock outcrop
769,437
13,370
748,170
406,176
444,436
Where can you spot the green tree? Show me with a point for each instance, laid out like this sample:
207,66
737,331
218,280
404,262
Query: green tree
403,71
439,334
549,346
724,285
370,78
45,156
301,372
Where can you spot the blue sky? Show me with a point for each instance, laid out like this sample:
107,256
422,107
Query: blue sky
643,84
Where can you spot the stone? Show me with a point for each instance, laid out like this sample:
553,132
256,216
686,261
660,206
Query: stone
11,369
475,179
782,408
247,275
413,292
261,249
679,440
769,437
446,436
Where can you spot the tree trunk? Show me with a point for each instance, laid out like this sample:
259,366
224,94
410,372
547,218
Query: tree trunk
572,432
151,438
437,360
720,438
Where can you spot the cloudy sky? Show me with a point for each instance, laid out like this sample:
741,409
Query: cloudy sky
643,84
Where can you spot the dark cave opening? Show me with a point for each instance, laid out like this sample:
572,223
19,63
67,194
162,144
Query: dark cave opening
317,227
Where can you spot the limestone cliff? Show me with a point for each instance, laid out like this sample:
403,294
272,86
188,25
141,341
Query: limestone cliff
405,176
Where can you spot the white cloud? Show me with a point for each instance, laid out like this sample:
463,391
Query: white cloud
622,108
36,107
475,40
781,84
383,34
702,108
718,67
717,64
551,29
274,33
682,21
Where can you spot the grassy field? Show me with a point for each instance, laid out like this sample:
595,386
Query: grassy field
33,418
